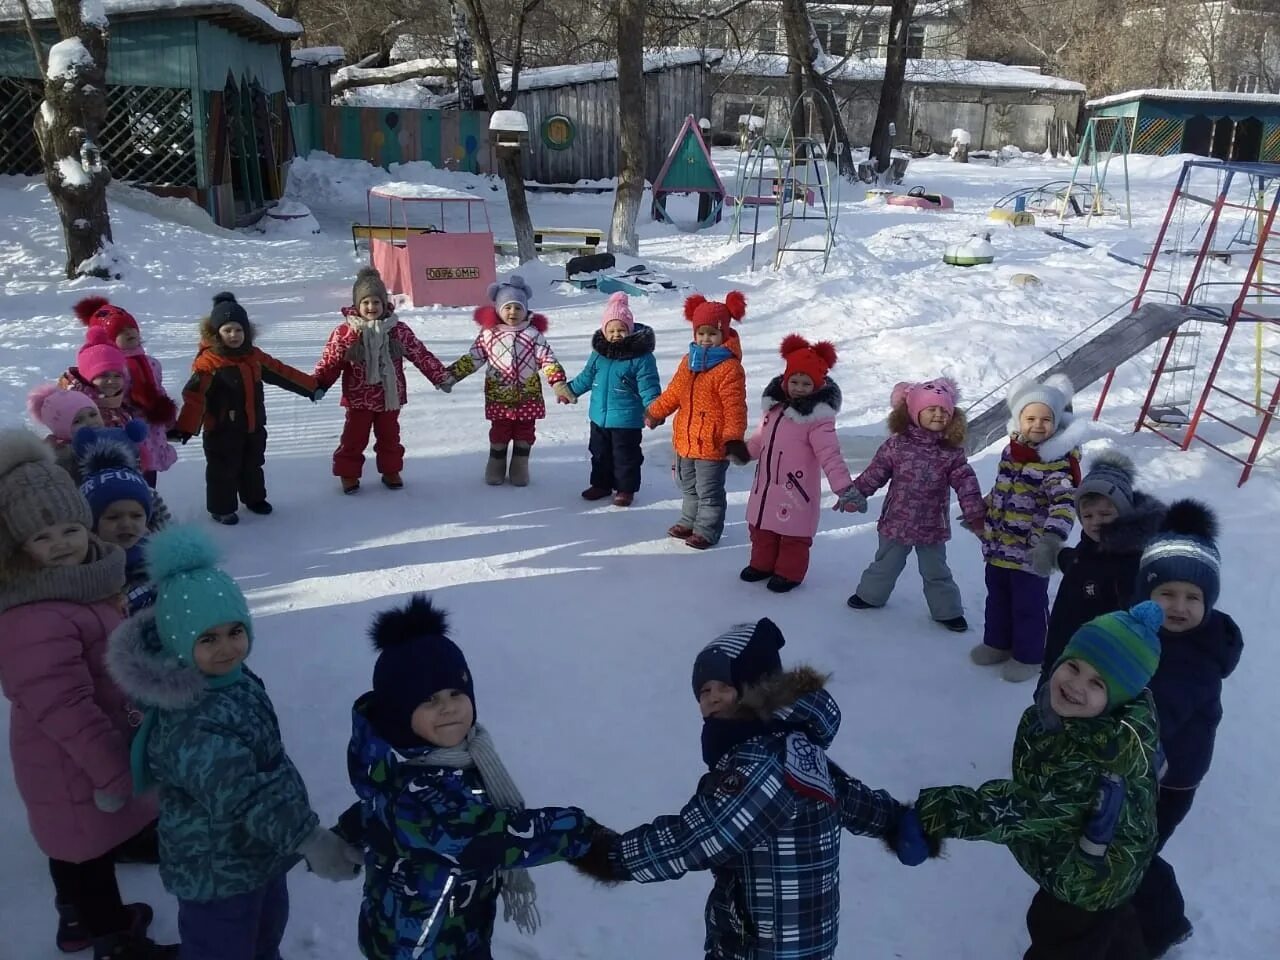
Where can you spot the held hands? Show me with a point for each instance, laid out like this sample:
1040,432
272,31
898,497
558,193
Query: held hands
1044,555
736,450
318,394
909,841
564,394
974,527
445,385
850,500
329,856
108,802
595,863
653,423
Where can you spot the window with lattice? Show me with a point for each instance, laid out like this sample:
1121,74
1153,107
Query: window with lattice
149,136
19,100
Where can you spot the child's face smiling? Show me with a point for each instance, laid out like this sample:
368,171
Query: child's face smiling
221,649
123,523
232,335
615,330
716,698
1095,515
58,545
88,417
1035,423
128,339
708,336
1077,690
511,313
934,419
799,385
110,384
371,308
1182,603
445,719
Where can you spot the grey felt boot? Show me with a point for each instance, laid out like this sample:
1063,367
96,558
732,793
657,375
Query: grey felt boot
518,473
495,470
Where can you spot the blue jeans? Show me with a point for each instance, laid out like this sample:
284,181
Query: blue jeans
248,926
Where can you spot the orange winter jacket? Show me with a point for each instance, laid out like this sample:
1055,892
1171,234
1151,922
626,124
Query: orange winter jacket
710,407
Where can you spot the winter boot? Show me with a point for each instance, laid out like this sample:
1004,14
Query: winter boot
1015,671
679,531
779,584
350,484
752,575
956,624
988,656
595,493
1181,933
226,519
392,481
73,937
132,946
518,472
697,541
495,471
621,499
261,508
857,603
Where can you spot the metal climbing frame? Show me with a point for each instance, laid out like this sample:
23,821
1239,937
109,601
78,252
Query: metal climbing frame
807,181
1117,134
759,171
1166,410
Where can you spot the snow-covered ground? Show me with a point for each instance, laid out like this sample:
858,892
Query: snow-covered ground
581,621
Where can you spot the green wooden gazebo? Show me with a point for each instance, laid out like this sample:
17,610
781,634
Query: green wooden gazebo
196,101
1230,126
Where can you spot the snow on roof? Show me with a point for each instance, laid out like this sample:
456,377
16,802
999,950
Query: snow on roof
538,78
250,10
317,56
974,73
1213,96
509,121
403,190
406,70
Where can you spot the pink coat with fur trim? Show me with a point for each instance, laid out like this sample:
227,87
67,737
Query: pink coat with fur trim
514,355
69,727
795,444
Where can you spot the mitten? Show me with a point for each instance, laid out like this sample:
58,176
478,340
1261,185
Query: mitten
318,394
108,802
736,450
564,394
653,423
850,500
908,840
396,349
329,856
1066,558
1100,828
595,863
446,384
1044,555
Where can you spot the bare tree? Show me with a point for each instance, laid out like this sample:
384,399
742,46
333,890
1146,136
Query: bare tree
67,130
895,76
803,50
464,55
633,124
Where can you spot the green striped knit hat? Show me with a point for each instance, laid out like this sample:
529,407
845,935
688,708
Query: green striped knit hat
1123,647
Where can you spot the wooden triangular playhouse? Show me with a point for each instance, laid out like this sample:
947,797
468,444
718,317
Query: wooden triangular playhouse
688,169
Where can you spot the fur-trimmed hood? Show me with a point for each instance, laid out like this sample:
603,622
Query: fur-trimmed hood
795,699
209,339
640,342
488,318
823,404
1131,532
138,661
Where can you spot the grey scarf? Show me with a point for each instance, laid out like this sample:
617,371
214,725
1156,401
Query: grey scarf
375,356
100,577
519,895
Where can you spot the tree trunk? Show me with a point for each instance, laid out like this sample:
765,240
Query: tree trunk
895,75
66,128
802,51
464,54
632,146
510,164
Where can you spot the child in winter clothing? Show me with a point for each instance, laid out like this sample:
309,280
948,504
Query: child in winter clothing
368,351
62,413
623,377
1030,510
923,461
1180,570
1116,521
795,439
69,724
101,373
146,393
708,395
1079,813
120,500
511,342
444,829
766,817
234,814
224,399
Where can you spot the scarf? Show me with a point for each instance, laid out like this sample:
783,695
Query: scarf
100,577
702,359
143,390
722,734
519,895
375,356
1022,452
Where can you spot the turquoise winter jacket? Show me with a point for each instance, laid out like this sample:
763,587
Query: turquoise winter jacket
622,378
233,809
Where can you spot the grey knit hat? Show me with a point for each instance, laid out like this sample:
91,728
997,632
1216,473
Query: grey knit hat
1110,475
511,290
369,284
1055,393
34,491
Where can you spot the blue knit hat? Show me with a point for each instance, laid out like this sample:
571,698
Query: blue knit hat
416,660
514,289
1123,647
109,467
742,655
1184,550
192,594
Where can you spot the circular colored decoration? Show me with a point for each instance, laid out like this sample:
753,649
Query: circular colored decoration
392,119
470,144
558,132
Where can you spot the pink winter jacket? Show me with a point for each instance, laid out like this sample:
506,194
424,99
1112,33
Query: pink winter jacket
69,724
921,472
794,440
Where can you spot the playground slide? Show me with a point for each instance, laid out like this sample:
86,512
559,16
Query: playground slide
1121,341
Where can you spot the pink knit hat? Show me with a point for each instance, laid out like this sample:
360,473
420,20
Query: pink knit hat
619,308
939,392
55,409
99,355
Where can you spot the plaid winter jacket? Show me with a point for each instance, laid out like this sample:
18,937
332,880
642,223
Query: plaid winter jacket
766,822
1040,814
433,848
514,355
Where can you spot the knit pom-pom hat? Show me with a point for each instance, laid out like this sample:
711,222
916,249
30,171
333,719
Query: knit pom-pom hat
514,289
34,492
109,467
916,397
369,283
814,360
1055,392
742,655
192,594
100,312
1123,647
1110,475
618,307
56,409
1184,550
701,312
100,355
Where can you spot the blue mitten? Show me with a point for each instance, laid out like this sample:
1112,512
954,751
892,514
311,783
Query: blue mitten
1100,828
910,842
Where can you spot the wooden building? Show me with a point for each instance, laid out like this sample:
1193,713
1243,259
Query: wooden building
196,102
1228,126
